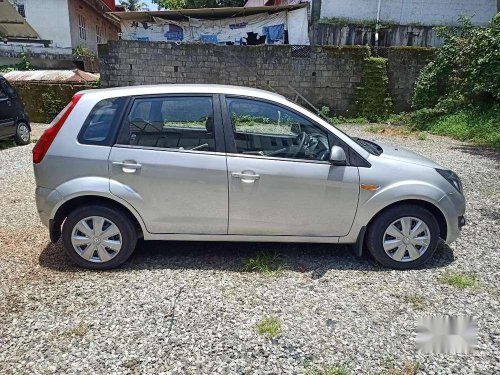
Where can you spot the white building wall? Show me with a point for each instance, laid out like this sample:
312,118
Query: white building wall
50,19
93,21
404,12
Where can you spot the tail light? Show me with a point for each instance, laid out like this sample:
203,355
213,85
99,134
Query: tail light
43,144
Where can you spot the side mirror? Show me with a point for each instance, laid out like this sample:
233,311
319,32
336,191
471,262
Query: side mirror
338,156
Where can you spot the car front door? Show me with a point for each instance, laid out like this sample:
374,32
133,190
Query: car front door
7,115
281,182
169,164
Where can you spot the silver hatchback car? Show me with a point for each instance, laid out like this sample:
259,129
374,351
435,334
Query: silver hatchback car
224,163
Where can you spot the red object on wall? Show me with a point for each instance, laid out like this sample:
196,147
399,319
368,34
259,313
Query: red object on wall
110,4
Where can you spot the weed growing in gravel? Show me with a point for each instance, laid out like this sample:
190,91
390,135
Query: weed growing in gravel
416,301
459,279
80,330
266,263
422,136
330,370
269,326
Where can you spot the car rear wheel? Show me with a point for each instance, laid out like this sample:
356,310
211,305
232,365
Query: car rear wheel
22,136
403,237
98,237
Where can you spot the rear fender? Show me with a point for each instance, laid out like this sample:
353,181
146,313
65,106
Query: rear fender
88,187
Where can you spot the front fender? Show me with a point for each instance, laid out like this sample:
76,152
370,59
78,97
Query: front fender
372,202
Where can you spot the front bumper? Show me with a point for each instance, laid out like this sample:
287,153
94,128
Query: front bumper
453,207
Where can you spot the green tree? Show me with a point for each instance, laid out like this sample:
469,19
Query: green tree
133,5
188,4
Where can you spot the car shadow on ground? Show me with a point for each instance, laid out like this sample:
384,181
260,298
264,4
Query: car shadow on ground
316,259
488,153
5,144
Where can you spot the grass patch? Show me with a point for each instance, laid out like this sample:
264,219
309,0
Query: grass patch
389,130
416,301
269,326
407,369
265,263
80,330
459,280
338,120
329,370
481,127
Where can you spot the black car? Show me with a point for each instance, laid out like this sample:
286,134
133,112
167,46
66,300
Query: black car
14,121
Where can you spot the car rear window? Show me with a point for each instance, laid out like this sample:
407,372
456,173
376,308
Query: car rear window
100,125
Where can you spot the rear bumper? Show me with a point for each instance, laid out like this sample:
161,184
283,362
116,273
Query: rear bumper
46,200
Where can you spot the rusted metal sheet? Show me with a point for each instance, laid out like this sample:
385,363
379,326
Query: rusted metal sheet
52,76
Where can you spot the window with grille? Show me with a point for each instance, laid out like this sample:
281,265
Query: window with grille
98,33
82,27
21,10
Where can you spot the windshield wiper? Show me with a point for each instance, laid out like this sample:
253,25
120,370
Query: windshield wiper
369,146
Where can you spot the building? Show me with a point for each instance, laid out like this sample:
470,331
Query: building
70,24
285,24
14,29
409,12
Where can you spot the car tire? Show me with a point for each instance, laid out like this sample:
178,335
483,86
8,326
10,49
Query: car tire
23,134
99,257
380,239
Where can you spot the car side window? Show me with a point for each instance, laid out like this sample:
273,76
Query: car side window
177,122
2,94
98,126
262,128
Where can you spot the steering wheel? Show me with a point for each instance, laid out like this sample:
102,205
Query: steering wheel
302,140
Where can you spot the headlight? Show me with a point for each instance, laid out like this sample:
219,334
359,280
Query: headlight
452,178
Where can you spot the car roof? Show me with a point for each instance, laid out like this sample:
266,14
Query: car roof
182,89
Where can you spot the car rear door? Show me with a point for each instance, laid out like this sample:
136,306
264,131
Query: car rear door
169,163
7,114
281,182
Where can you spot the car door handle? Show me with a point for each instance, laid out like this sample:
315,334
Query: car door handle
245,176
127,167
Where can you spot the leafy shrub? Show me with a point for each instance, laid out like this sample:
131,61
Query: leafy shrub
81,51
465,70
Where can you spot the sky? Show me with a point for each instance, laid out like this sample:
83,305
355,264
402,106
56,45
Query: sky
149,3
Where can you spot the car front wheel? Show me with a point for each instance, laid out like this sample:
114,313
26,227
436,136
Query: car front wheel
403,237
99,237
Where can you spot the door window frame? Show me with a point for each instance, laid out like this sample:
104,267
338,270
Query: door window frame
231,141
123,131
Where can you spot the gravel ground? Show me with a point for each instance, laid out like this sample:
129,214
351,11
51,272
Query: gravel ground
188,308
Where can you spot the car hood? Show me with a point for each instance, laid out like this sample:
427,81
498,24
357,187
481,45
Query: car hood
406,156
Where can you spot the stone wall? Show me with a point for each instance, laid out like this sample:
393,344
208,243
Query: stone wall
404,65
324,75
